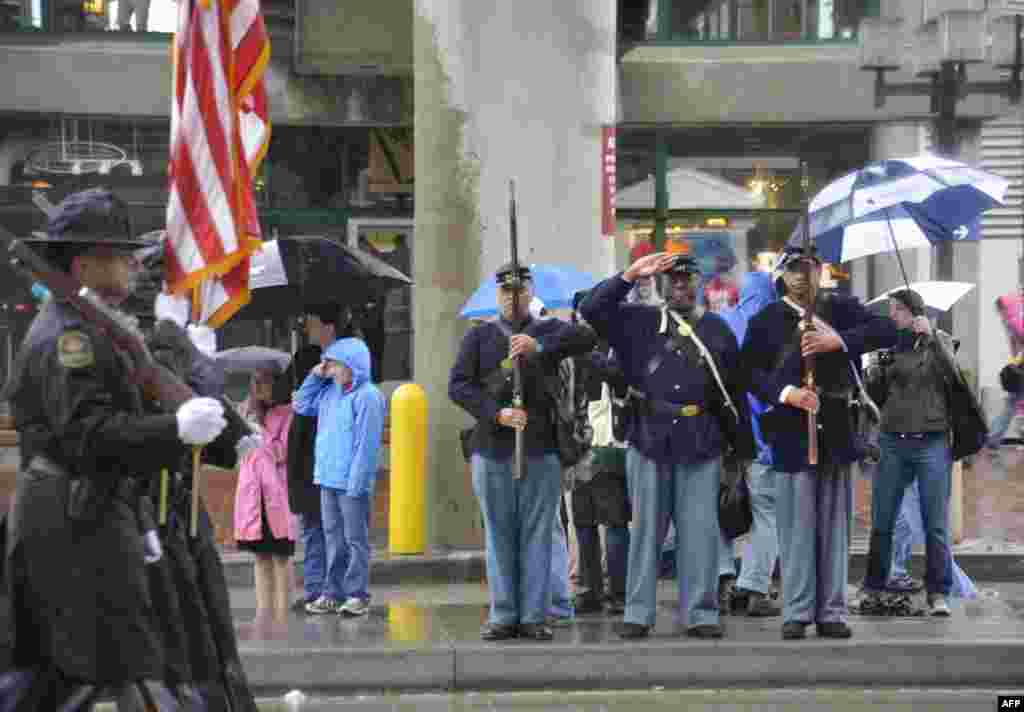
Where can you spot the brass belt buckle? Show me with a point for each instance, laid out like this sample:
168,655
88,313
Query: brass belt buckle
688,411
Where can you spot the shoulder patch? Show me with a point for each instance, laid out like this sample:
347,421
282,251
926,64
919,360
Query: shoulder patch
74,350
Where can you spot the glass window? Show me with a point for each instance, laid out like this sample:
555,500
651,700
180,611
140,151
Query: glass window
386,320
764,20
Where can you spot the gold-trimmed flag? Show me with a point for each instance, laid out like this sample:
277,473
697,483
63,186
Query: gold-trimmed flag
220,131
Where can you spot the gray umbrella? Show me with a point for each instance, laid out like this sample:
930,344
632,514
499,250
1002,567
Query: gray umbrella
253,358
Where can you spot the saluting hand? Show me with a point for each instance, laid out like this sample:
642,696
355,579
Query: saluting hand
804,399
514,418
649,265
921,325
522,345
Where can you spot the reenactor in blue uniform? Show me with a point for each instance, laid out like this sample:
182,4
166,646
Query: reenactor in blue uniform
519,514
682,364
813,502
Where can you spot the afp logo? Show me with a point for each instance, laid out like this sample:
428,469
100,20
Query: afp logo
1011,702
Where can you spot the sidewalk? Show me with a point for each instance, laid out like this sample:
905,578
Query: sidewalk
427,638
982,559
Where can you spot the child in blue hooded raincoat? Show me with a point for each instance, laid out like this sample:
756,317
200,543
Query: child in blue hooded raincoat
350,427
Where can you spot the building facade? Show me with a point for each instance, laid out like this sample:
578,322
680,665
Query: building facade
750,104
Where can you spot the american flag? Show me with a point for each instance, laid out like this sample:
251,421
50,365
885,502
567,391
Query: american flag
220,131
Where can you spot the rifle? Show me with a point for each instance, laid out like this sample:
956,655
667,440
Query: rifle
806,326
517,366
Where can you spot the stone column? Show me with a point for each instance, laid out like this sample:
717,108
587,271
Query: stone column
503,91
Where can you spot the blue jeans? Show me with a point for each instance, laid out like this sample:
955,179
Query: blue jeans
927,460
909,531
561,600
314,558
689,497
814,513
1002,421
763,548
518,518
347,538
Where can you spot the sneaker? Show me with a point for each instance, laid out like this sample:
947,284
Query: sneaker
761,606
355,607
323,605
904,584
937,606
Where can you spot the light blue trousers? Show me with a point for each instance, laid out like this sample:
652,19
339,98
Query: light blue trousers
518,520
762,550
688,496
814,512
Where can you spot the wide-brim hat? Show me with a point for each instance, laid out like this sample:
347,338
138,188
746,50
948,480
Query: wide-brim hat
90,218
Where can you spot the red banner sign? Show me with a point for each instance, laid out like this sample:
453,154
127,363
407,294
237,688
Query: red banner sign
608,181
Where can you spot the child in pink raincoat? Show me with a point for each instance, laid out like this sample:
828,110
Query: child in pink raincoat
264,525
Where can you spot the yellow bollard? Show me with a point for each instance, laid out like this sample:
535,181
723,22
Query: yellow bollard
407,519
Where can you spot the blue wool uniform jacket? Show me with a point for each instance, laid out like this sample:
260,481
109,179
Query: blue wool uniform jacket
635,332
479,366
773,336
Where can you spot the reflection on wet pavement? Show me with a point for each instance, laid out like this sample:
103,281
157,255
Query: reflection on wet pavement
654,700
446,616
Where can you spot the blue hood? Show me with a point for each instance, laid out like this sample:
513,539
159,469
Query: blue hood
354,354
756,292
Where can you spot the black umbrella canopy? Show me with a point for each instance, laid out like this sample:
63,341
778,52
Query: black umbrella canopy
321,270
317,270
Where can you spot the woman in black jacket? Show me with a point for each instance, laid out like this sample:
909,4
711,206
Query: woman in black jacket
303,494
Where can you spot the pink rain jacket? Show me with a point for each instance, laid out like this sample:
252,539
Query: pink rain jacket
263,478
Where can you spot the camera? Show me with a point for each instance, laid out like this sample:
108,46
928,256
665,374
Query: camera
885,357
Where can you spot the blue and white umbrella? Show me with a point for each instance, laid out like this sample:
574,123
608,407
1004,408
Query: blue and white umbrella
553,285
900,204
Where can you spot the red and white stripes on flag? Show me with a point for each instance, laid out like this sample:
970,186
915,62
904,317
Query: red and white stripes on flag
220,131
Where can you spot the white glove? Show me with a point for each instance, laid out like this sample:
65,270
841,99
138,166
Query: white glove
152,551
204,338
174,308
200,420
247,444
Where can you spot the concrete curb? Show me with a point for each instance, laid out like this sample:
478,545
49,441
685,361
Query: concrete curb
468,567
668,663
460,567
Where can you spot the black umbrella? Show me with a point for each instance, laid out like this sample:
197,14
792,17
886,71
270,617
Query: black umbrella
291,273
294,272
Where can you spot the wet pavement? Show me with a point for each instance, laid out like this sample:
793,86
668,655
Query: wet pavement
420,638
657,700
